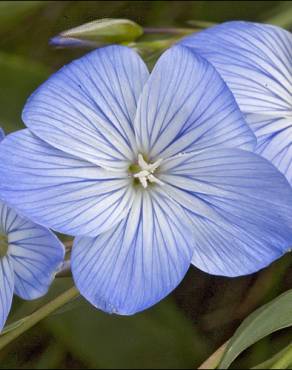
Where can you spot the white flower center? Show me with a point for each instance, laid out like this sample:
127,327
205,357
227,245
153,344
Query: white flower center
146,175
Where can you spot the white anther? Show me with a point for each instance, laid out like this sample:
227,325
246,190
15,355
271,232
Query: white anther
147,171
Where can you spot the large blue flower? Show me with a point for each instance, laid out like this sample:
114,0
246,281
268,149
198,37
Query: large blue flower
150,173
255,60
29,258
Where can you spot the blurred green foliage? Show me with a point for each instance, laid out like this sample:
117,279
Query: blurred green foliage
204,311
11,12
18,77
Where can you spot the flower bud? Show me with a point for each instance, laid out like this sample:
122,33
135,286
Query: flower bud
99,32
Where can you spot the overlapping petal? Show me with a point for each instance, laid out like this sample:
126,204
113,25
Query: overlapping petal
240,205
87,109
6,289
274,141
140,261
35,252
185,106
59,190
255,61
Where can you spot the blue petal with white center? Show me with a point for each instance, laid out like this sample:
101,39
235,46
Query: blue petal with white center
240,205
59,190
140,261
185,106
87,109
255,61
148,192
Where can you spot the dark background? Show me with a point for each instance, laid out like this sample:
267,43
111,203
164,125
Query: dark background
205,310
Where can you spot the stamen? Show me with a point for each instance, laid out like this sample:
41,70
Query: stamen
147,172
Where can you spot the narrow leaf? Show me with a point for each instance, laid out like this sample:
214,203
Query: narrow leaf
273,316
37,316
13,326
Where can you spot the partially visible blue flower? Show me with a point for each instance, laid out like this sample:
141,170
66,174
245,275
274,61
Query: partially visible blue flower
150,173
255,60
29,258
30,255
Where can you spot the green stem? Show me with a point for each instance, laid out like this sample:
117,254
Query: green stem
286,359
168,31
65,270
213,361
271,361
39,315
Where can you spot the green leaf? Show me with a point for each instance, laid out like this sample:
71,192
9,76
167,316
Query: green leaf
18,79
101,31
13,326
70,305
273,360
285,360
273,316
22,310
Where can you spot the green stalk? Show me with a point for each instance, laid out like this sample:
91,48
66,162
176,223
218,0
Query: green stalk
168,31
39,315
271,361
286,359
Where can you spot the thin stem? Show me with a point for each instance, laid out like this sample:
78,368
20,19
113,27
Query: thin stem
68,245
65,270
286,359
39,315
168,30
213,361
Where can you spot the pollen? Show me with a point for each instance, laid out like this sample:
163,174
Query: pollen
146,171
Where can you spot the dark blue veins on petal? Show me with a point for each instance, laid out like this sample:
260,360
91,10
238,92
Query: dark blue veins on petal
87,109
185,106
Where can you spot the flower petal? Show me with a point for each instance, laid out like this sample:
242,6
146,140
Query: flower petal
87,108
35,253
185,106
255,60
274,141
6,289
2,134
140,261
58,190
241,207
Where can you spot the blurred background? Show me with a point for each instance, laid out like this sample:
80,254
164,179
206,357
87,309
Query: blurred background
204,311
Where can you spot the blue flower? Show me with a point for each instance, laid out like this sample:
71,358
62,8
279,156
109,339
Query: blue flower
255,60
151,173
29,257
